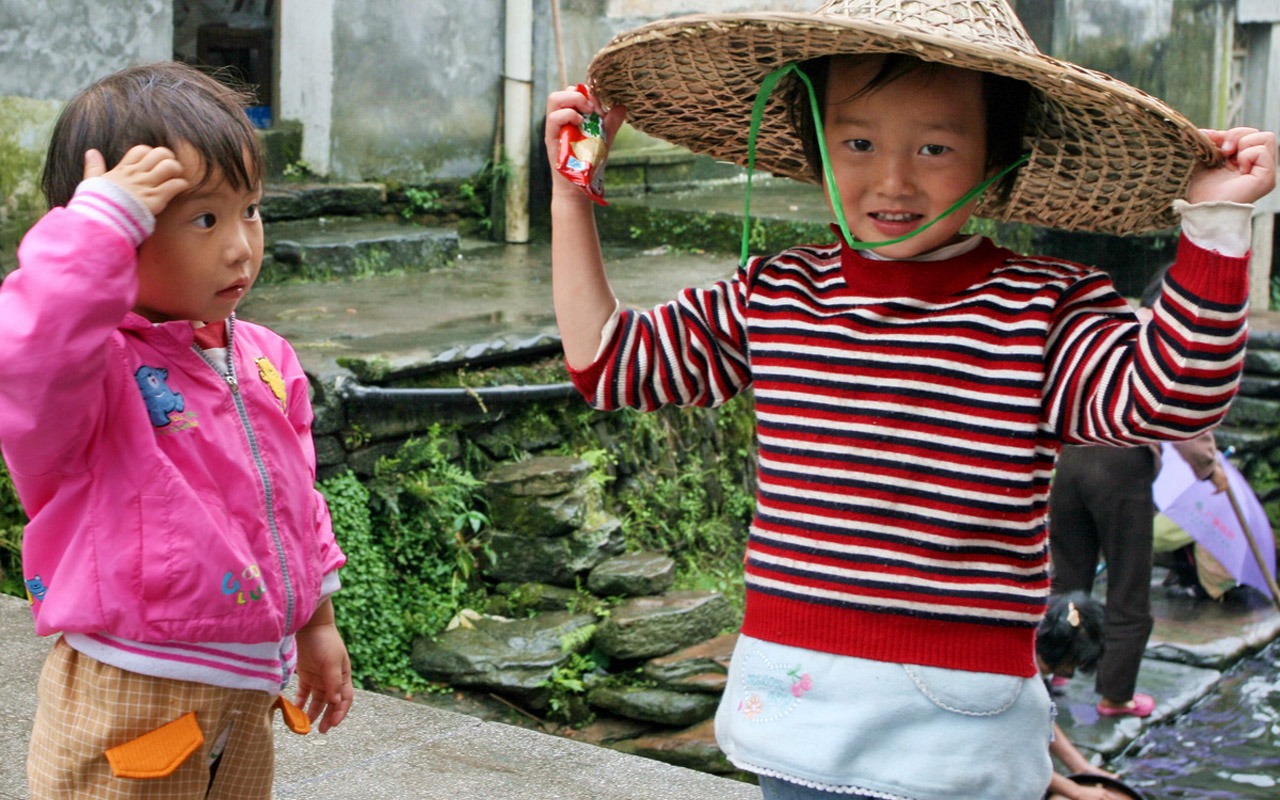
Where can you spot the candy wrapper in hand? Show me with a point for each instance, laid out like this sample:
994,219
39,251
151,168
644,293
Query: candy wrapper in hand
583,150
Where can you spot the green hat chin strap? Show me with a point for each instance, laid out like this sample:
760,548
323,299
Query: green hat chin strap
757,115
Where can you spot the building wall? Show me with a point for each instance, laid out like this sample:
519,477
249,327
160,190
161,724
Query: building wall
305,57
415,89
50,50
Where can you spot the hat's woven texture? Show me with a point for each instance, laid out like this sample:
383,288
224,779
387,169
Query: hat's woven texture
1104,156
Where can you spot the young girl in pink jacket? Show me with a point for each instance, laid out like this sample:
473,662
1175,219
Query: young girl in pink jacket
162,451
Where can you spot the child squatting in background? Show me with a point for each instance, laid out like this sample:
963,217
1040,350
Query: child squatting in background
1070,640
912,384
162,451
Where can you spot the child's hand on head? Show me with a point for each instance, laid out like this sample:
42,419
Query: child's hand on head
568,107
1248,173
153,175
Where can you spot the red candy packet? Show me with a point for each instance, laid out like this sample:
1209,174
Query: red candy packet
583,150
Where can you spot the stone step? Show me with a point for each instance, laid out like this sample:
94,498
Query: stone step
304,200
282,146
325,248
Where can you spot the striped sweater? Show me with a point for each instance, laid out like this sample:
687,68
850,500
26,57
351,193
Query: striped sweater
908,417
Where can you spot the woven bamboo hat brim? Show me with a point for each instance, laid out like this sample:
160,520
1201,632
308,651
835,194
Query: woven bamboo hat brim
1104,156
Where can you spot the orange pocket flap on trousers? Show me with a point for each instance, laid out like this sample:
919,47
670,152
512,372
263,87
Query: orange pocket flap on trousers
158,753
295,719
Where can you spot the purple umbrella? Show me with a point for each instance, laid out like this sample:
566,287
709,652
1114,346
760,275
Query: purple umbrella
1231,525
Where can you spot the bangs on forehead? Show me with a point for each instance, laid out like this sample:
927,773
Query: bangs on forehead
229,150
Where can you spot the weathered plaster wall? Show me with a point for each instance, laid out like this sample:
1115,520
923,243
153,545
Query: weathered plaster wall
416,87
52,49
48,52
306,76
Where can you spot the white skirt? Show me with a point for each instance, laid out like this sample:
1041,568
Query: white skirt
894,731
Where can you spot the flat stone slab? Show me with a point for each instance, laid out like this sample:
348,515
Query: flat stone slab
1192,643
1207,633
1176,687
353,247
289,200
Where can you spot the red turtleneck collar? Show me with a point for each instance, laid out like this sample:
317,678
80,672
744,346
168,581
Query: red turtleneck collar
924,280
211,335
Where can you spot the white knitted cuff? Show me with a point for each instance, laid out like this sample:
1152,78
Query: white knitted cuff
1221,226
107,202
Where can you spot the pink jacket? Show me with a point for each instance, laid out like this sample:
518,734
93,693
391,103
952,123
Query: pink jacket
164,503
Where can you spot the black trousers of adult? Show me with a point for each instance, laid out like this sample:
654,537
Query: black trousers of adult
1100,505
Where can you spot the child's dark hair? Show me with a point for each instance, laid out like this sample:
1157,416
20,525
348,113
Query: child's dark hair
159,104
1070,635
1005,102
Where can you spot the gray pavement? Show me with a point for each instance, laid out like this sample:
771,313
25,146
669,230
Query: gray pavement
389,749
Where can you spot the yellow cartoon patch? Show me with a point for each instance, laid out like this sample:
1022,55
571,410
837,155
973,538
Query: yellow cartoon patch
271,377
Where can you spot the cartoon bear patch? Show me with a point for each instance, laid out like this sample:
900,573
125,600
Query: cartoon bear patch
36,590
160,399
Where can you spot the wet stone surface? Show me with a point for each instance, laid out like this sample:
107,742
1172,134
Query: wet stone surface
1215,731
513,657
495,295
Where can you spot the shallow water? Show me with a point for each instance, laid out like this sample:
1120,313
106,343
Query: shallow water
1226,747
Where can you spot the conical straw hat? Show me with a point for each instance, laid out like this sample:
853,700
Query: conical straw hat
1104,156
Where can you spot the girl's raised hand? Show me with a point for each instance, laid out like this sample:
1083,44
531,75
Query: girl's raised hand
153,175
1248,173
568,107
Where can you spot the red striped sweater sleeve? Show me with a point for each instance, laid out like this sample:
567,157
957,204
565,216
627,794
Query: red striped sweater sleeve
1121,383
690,351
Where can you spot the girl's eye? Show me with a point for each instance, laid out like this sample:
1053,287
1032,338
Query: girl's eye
860,145
252,211
205,221
933,149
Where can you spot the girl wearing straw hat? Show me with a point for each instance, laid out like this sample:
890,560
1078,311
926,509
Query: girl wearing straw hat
912,385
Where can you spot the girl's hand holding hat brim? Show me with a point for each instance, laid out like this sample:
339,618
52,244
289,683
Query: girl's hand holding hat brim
1248,172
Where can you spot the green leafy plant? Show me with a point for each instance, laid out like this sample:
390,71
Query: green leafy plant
410,535
428,511
297,171
12,521
368,609
420,201
567,684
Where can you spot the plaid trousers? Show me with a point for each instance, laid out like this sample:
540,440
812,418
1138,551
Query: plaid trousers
86,707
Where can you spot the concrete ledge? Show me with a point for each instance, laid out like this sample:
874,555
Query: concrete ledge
389,749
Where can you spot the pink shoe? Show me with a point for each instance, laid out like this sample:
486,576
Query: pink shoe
1059,681
1143,705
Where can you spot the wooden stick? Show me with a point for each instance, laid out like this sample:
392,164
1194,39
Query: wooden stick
555,23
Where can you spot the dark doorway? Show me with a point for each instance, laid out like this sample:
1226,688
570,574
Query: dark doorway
236,37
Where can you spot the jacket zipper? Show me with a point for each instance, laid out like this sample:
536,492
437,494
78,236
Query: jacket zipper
233,384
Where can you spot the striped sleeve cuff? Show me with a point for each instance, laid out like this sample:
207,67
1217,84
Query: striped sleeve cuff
103,200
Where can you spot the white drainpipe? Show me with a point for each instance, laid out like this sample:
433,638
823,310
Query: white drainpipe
517,115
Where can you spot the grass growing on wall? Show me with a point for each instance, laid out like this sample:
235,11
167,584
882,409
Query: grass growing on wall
411,563
12,519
